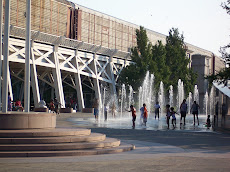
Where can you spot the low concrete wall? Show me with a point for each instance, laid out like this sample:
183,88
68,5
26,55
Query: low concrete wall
41,110
66,110
23,120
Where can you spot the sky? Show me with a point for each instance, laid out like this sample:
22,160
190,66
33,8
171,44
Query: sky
204,23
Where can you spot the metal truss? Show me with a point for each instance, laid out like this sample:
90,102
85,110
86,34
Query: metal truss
56,64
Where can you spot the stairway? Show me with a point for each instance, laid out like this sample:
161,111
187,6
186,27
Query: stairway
57,142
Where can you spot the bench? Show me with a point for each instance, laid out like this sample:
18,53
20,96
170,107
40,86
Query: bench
41,109
66,110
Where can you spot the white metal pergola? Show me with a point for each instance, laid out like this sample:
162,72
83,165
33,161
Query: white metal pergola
59,55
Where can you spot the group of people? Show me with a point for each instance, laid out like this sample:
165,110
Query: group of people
96,109
14,106
54,105
170,112
183,111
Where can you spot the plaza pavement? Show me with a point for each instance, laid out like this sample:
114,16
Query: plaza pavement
162,150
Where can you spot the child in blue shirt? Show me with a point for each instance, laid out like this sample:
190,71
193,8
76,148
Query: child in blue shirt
173,114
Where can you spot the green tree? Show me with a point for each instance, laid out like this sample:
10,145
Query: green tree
177,61
158,65
141,57
168,63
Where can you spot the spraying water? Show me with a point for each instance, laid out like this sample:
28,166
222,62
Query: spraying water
196,94
131,100
205,108
123,99
146,91
211,100
161,98
150,99
180,94
189,102
140,97
171,95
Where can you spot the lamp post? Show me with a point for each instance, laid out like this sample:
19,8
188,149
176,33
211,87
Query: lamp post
5,57
1,14
27,57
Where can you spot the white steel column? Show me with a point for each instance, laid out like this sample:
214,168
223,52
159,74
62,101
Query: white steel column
58,81
6,56
57,75
111,73
1,20
34,77
10,86
96,80
27,58
34,81
77,76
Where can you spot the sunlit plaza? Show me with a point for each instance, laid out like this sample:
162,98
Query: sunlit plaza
66,105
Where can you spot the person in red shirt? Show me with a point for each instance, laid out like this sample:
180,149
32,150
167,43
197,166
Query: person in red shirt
145,114
51,105
18,105
134,115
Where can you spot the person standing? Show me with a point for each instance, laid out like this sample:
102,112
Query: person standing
145,115
56,106
9,102
194,110
96,109
134,115
105,112
183,111
51,106
173,114
142,114
168,114
157,110
208,123
113,109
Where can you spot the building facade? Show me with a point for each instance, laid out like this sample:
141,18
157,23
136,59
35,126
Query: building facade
99,31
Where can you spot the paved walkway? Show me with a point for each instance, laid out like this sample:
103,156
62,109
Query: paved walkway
156,150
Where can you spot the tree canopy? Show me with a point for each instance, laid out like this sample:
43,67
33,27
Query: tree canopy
167,62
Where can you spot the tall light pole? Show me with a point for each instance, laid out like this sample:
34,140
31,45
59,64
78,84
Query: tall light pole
1,14
5,57
27,57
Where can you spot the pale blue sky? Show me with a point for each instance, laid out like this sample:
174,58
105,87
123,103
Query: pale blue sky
203,22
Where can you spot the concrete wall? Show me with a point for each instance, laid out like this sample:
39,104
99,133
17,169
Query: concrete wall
200,67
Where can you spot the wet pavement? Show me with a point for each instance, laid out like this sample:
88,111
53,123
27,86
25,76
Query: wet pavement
185,148
152,123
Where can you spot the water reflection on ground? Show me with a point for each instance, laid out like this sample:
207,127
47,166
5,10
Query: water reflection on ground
152,124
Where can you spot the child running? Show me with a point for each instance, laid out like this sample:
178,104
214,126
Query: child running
173,114
133,110
168,114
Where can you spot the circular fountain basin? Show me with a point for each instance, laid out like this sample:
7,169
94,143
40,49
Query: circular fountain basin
27,120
